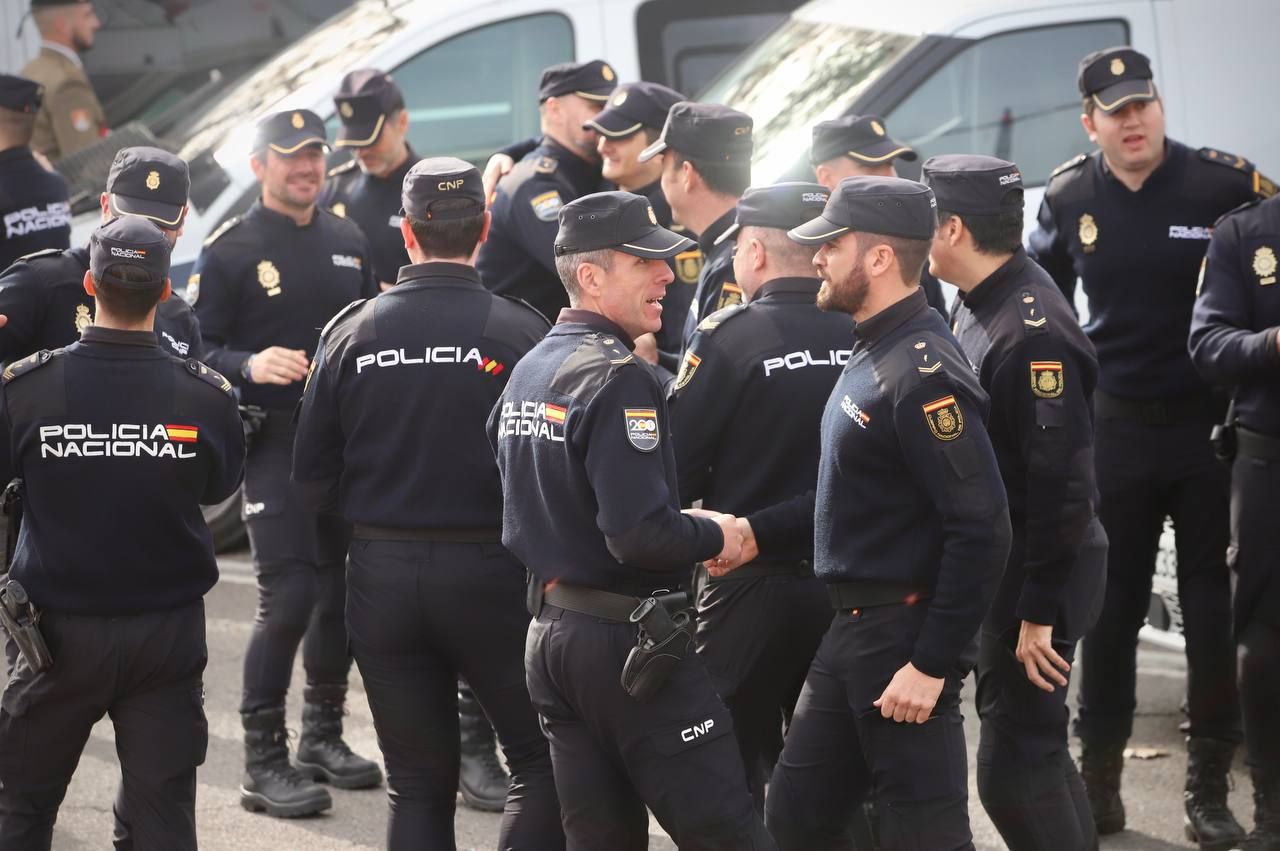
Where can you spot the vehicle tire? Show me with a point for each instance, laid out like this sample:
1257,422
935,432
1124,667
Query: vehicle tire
225,524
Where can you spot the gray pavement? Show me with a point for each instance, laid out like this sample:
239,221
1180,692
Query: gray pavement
358,819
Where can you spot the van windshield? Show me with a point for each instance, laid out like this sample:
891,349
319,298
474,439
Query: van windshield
805,72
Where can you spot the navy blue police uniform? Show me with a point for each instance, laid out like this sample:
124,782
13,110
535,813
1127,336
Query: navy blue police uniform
1235,343
264,280
35,208
590,507
911,532
1039,370
765,367
121,600
1154,413
517,260
396,405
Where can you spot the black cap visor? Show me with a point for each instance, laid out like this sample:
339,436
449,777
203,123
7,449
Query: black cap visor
1124,92
883,151
359,135
817,231
657,242
614,124
164,215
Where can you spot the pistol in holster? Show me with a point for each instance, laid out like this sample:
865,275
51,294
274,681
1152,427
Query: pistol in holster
1223,441
18,615
663,641
252,419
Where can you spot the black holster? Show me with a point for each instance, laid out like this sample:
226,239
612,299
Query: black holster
1223,436
252,419
663,641
18,615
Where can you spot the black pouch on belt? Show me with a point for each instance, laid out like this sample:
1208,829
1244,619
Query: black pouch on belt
664,640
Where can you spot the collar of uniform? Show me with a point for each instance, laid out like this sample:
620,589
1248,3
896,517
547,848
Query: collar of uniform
593,320
707,239
271,218
1162,174
876,328
434,271
397,177
13,155
807,287
995,284
583,172
115,337
63,51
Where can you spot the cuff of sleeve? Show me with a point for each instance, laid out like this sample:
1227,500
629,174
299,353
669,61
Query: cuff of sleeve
1271,349
1038,603
710,538
765,531
929,663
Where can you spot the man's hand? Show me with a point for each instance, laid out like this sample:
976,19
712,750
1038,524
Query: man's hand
498,167
277,365
4,320
646,348
910,696
732,549
1035,651
749,551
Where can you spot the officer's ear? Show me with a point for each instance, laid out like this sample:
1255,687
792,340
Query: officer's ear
401,121
1086,121
825,177
258,164
168,289
484,231
104,202
406,233
88,284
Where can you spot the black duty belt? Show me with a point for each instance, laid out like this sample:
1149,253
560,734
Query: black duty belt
757,570
606,604
1165,411
439,536
865,595
1257,445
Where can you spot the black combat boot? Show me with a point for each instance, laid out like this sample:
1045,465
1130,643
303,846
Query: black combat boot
322,754
481,779
1100,768
271,784
1265,835
1208,821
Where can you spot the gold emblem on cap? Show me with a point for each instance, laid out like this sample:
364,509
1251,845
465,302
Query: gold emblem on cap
298,121
153,180
620,98
1117,66
1264,264
653,217
1088,233
877,128
606,72
83,318
269,277
741,131
346,109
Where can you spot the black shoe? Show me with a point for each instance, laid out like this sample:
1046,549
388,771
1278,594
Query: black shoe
481,779
322,754
1208,821
1265,835
1100,768
271,784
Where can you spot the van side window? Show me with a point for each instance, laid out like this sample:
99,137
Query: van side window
474,93
1011,96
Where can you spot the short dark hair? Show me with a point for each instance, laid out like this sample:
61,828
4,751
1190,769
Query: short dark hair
448,237
912,254
129,303
725,178
998,234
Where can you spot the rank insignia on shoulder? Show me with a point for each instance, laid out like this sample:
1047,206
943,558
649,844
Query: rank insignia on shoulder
711,323
688,367
339,209
222,230
1264,265
209,376
926,363
546,206
642,428
1046,378
1069,164
1217,157
546,165
1031,315
944,418
342,169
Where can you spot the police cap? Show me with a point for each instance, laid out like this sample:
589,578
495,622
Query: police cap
18,94
594,80
133,241
889,206
861,137
289,131
782,206
364,100
974,184
634,107
437,179
1114,77
617,220
149,182
704,131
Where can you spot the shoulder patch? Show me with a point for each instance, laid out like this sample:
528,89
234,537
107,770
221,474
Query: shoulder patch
1033,318
44,252
928,364
208,376
642,428
324,332
343,169
545,165
1046,378
718,318
222,230
944,417
688,366
1074,162
546,206
19,368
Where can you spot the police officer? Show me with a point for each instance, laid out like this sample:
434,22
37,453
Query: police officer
911,533
1235,342
366,188
770,362
706,166
1040,370
120,600
590,507
517,258
71,118
397,404
855,145
1153,412
34,208
43,294
267,280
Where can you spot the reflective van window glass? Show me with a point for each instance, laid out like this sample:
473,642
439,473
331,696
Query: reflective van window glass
1011,96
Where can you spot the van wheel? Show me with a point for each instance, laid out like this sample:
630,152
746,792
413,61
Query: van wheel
225,524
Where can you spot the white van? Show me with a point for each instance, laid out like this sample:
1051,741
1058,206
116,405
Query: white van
469,75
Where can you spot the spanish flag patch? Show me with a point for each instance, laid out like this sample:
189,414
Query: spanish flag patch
554,413
182,433
1046,378
944,418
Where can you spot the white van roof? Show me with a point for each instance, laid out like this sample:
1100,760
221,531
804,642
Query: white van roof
920,17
